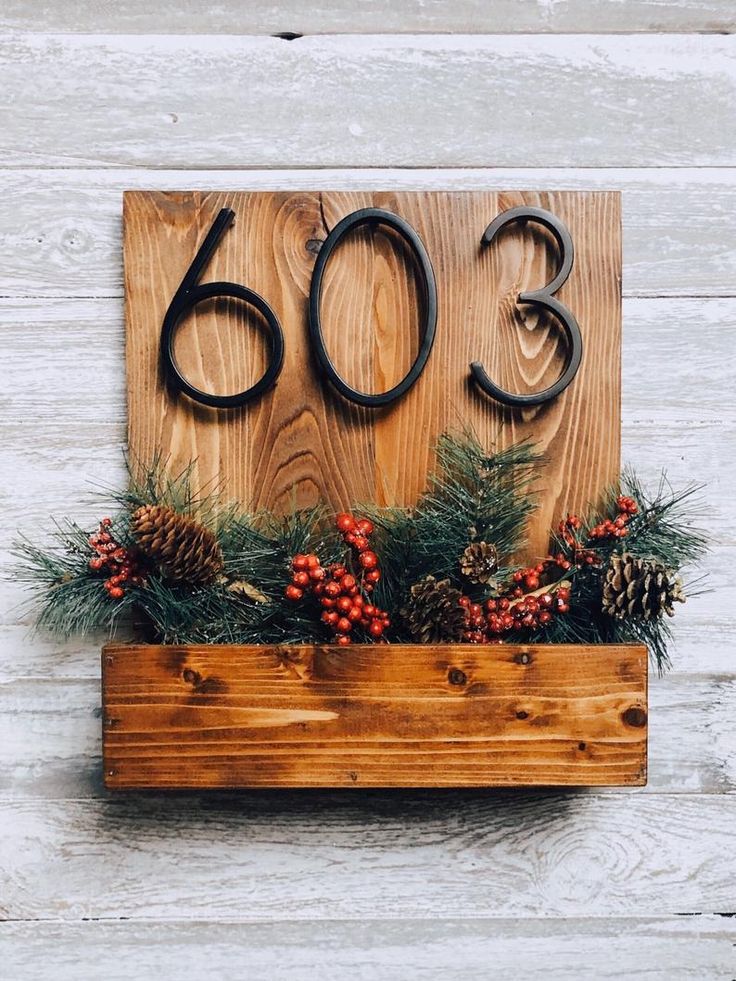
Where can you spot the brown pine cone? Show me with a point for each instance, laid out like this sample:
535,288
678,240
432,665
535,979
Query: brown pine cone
641,588
433,613
479,562
181,548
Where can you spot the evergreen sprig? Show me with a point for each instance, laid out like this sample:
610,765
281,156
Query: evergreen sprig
664,529
472,496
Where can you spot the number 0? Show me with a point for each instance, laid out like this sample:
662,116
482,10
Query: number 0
373,216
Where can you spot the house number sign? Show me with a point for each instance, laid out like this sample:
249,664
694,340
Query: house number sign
191,292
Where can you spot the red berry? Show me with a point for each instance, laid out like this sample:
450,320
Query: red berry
116,592
544,617
546,600
344,640
312,561
345,522
531,581
300,579
360,542
354,614
299,562
365,527
338,571
347,582
327,603
369,610
375,629
344,604
369,560
332,589
316,573
373,576
95,564
343,626
293,593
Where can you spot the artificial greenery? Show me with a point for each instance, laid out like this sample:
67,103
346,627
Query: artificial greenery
472,497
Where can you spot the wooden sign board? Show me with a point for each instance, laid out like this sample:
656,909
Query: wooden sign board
302,442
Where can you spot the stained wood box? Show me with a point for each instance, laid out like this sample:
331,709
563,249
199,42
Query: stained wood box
378,715
374,716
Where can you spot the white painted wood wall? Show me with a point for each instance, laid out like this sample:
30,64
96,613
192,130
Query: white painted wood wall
99,97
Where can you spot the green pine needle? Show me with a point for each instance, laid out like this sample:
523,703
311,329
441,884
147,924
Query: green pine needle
472,496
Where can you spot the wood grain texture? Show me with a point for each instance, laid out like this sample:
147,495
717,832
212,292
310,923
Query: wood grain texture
61,230
369,885
660,948
368,101
301,443
395,716
305,855
376,17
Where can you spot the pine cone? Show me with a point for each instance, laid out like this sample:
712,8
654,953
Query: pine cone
640,588
433,613
181,548
479,562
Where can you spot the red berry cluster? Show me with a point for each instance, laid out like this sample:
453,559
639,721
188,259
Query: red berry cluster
342,593
486,623
122,565
616,527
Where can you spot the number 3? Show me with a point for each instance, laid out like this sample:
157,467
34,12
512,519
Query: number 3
543,297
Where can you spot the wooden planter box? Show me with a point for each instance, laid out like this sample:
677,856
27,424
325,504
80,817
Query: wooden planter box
374,716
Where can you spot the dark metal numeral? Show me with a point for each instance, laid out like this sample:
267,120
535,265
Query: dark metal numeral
188,295
543,297
371,216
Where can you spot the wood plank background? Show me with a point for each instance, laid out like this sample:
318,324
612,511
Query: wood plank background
377,885
303,444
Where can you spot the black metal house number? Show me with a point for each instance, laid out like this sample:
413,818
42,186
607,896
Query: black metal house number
192,292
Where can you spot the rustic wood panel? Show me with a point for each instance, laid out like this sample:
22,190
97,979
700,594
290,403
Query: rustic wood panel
370,101
662,948
396,716
50,745
382,17
61,230
79,104
301,442
272,856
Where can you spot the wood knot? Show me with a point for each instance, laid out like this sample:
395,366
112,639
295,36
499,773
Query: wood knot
524,658
522,715
457,677
191,677
314,245
582,747
635,717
